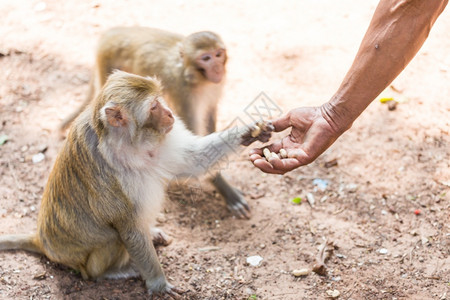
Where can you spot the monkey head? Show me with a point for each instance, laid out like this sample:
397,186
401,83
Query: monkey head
204,56
132,107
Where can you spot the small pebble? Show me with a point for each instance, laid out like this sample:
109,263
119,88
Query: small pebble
320,183
310,198
337,278
283,153
351,188
333,293
37,158
254,260
383,251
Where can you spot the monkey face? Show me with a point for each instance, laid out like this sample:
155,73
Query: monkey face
212,64
134,106
161,117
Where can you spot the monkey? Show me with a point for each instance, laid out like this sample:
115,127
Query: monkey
108,182
192,70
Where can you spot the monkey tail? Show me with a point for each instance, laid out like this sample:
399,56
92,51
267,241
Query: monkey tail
20,242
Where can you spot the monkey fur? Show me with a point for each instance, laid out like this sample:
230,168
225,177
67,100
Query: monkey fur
108,182
192,70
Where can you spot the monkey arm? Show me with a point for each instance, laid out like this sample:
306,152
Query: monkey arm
202,153
397,31
137,241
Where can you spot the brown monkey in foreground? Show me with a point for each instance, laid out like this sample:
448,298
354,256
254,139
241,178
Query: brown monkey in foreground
108,182
191,70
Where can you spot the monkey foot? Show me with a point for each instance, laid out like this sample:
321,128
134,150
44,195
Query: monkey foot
238,205
236,202
172,293
160,238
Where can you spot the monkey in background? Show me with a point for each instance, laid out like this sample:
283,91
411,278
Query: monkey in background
192,71
108,180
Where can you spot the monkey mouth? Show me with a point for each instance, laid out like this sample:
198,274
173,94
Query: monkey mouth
217,78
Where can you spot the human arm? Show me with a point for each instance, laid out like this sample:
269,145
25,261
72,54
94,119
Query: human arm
397,31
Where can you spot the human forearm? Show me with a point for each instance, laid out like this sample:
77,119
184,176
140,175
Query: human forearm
397,31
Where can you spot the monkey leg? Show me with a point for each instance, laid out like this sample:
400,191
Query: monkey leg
126,271
235,200
106,262
137,240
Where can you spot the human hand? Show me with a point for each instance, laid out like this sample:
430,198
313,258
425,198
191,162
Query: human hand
312,132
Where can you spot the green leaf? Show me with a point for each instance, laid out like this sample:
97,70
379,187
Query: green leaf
252,297
297,200
3,139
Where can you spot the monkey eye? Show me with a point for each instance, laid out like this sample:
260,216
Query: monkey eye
206,57
219,54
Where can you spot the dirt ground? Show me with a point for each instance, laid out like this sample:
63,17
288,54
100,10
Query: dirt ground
390,165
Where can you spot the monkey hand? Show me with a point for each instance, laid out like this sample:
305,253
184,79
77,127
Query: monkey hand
260,131
311,134
155,289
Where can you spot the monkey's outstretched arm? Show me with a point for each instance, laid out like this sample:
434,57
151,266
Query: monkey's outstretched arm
202,153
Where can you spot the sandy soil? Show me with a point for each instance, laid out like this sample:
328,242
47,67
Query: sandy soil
390,164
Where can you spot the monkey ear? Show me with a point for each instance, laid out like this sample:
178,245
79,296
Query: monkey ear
116,116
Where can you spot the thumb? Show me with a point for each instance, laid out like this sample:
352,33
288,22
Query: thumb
282,123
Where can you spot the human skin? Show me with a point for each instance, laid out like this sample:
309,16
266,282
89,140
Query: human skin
396,33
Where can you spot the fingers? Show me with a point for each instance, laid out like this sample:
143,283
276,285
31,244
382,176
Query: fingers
276,165
256,156
268,126
282,123
285,165
275,147
266,166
